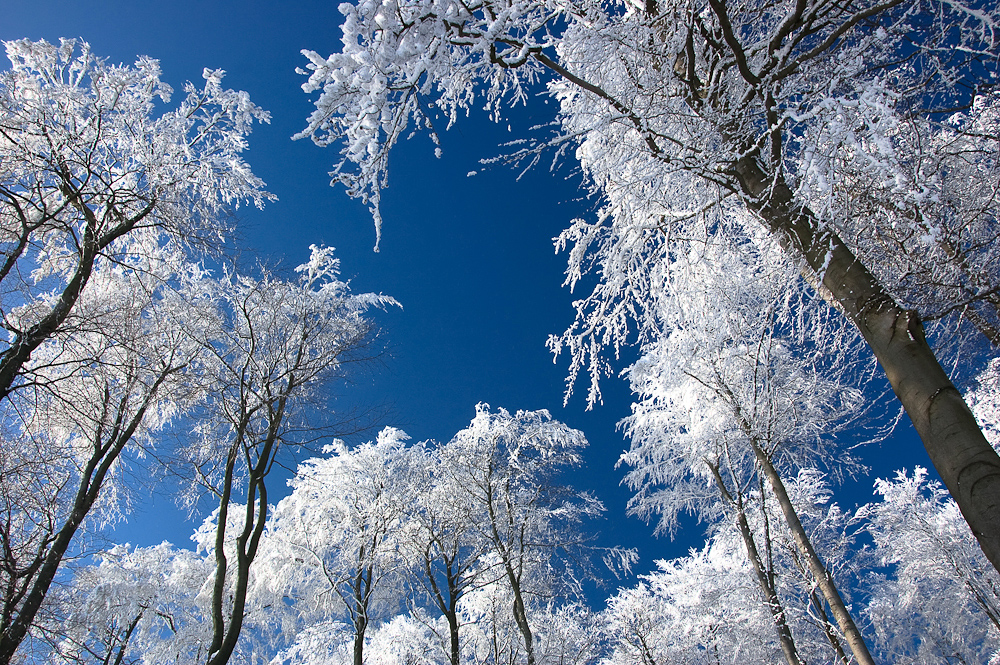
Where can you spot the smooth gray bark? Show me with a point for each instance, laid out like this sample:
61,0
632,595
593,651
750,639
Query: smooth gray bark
962,456
765,579
819,571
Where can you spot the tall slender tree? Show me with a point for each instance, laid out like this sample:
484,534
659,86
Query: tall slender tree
336,543
445,547
506,466
101,396
270,344
740,399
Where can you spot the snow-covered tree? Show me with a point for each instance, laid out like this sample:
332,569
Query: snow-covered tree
271,345
93,172
563,631
940,601
334,544
984,399
687,112
402,640
101,394
137,605
711,606
101,196
695,609
928,225
444,547
744,398
506,467
477,531
568,634
490,634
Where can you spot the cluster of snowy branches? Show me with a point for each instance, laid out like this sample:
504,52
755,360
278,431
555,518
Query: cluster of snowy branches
788,192
922,592
365,563
385,552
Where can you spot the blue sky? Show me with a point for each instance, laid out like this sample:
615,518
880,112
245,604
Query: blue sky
470,258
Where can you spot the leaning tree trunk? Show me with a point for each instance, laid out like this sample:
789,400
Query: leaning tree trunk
819,572
966,462
831,634
46,565
521,614
764,578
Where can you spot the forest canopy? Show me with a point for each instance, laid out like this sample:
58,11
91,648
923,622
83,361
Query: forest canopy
796,203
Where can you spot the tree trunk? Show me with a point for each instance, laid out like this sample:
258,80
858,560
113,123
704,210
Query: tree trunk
519,609
765,580
456,653
91,481
362,591
449,606
966,462
452,615
360,627
819,572
831,634
226,637
255,517
521,615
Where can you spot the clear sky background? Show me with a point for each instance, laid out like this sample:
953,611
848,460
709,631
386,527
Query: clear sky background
470,258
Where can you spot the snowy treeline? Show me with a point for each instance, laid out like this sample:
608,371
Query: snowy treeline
471,552
750,162
467,539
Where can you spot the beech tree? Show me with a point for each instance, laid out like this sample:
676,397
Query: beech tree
134,605
402,639
562,632
101,197
91,173
239,358
929,231
100,394
685,109
334,545
505,465
568,634
703,606
710,605
740,400
270,345
445,547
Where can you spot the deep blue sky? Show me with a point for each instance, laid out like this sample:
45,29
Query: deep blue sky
469,258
